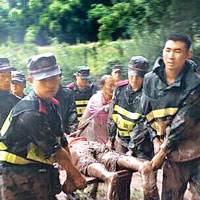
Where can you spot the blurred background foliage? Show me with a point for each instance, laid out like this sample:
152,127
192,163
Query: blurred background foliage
96,33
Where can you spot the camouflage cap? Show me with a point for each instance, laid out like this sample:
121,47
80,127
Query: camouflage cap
83,72
17,77
5,65
43,66
138,65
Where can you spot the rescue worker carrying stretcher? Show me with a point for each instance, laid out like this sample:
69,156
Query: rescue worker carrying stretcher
124,111
32,141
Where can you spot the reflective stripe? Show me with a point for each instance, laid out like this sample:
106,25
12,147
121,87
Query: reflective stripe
123,133
161,113
34,153
122,123
81,102
12,158
79,119
160,127
6,123
130,115
80,110
3,147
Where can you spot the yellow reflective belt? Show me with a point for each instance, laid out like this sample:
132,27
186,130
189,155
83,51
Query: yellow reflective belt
33,154
81,102
161,113
123,133
80,110
122,123
12,158
130,115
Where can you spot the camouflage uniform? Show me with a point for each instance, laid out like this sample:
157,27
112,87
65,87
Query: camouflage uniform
172,113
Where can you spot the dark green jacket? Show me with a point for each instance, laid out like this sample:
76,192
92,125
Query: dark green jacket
7,102
160,102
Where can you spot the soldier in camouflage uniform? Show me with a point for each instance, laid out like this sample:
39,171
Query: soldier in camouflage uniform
7,100
32,140
170,103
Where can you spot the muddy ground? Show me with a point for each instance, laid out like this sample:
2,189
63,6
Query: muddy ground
136,190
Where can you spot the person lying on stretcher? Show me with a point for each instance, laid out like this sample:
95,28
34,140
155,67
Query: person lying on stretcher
97,160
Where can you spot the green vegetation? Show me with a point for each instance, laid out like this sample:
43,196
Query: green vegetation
98,56
82,21
102,32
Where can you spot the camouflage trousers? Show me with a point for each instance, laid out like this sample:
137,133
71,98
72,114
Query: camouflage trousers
25,183
176,176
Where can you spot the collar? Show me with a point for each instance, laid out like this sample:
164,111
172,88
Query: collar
159,70
77,88
129,89
43,104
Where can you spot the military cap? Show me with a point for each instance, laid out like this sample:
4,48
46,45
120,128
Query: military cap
83,72
17,77
5,65
138,65
43,66
116,68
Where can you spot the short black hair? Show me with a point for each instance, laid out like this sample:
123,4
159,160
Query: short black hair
180,37
104,78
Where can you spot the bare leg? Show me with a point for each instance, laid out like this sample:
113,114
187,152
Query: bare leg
98,170
147,175
130,162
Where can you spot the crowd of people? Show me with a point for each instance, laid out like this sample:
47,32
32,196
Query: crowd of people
144,123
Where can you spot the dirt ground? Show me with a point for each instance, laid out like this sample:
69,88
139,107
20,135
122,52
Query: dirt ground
136,189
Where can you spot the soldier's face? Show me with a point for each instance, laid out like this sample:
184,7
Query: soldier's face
46,88
17,89
116,75
135,81
175,54
5,79
82,83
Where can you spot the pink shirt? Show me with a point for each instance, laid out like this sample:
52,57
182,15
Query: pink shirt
97,130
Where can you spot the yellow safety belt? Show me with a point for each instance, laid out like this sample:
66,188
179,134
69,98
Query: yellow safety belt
10,157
